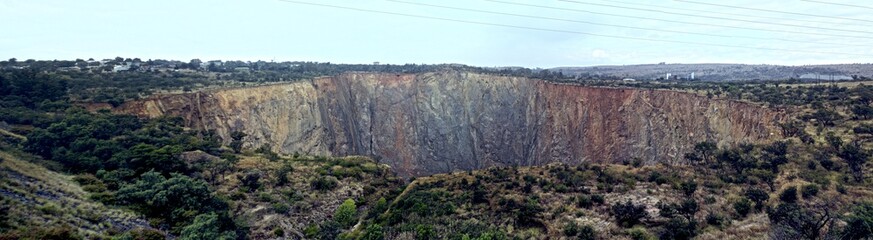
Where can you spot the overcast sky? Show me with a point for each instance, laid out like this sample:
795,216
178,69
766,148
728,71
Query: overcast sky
284,31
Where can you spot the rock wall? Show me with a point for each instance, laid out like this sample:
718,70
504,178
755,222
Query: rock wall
429,123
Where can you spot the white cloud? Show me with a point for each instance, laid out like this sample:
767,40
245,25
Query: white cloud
599,53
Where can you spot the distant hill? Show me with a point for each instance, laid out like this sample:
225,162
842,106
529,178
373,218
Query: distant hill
724,72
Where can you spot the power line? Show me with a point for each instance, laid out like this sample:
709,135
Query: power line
564,31
774,11
732,14
714,17
839,4
675,21
615,25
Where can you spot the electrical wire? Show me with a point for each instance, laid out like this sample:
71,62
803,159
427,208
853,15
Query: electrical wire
773,11
564,31
618,26
719,18
838,4
682,22
734,14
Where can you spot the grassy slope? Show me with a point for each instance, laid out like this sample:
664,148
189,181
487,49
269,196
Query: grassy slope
39,197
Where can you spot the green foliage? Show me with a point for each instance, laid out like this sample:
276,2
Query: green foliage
743,207
324,183
688,187
177,200
679,228
789,195
856,157
206,227
715,219
859,225
346,214
141,234
373,232
380,207
758,196
236,140
628,214
575,231
250,180
640,233
809,191
797,222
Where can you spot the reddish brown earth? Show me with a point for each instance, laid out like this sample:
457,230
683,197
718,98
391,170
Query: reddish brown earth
429,123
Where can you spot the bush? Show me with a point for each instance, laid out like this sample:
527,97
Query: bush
679,228
743,207
281,208
628,214
639,233
324,183
575,231
688,187
809,191
789,195
758,196
346,214
206,226
859,225
715,219
373,232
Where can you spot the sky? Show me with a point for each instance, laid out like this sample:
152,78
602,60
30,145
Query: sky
541,33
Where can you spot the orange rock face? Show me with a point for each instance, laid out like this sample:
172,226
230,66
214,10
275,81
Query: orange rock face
440,122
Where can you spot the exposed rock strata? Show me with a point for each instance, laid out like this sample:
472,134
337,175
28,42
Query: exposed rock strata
440,122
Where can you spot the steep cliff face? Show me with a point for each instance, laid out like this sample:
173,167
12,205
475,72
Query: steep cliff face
439,122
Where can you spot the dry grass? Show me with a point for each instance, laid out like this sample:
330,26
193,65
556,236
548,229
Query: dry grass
40,197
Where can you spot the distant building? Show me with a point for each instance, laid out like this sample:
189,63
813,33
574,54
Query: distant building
628,80
375,63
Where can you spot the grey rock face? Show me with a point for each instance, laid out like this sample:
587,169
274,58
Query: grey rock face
429,123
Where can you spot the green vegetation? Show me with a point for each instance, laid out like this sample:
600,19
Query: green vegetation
183,182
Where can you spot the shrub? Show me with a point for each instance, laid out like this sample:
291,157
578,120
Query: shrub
324,183
743,207
758,196
715,219
679,228
575,231
859,225
688,187
281,208
346,214
628,214
809,191
789,195
373,232
639,233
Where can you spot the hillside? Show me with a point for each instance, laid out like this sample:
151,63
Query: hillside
438,155
724,72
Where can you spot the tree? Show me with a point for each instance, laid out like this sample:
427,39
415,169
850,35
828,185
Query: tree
789,195
688,187
859,225
792,221
206,227
373,232
706,149
758,196
176,200
236,140
346,214
743,207
628,214
856,158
